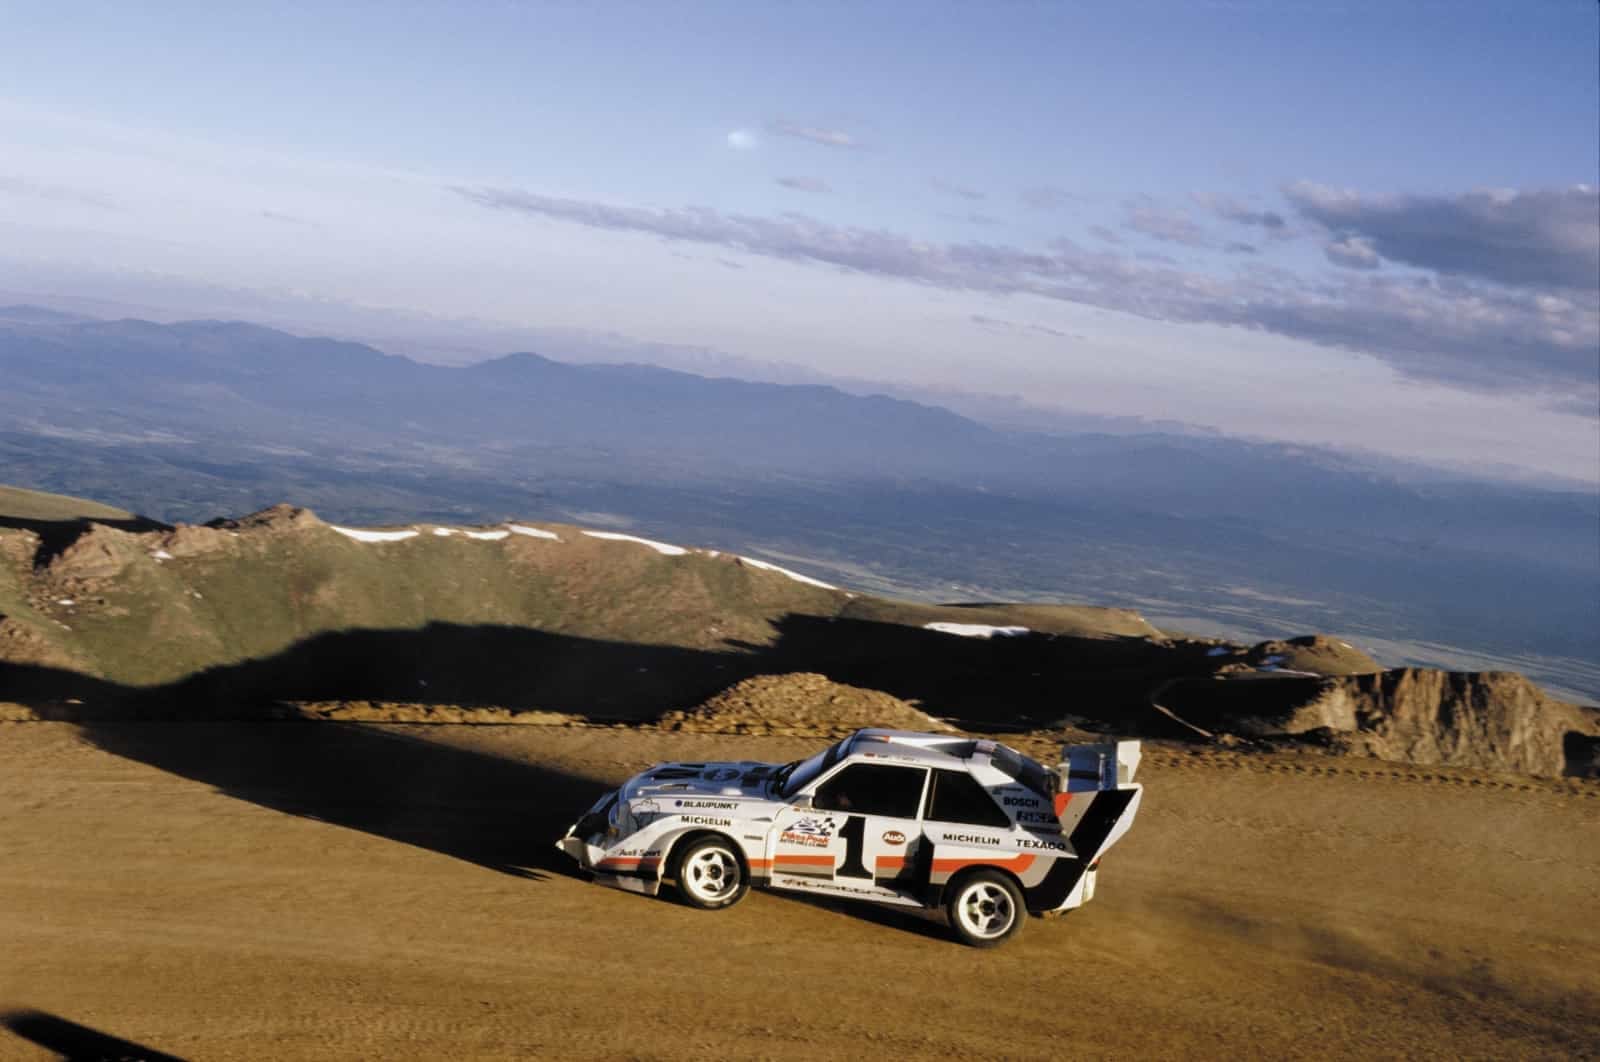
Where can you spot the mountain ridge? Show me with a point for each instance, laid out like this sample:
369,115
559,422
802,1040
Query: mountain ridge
538,621
184,421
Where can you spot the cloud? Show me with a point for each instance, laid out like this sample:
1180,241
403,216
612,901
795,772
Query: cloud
1438,327
288,219
743,140
1233,210
972,217
815,185
957,190
1045,197
1534,239
1352,252
1239,247
999,324
1103,233
835,138
56,193
1162,223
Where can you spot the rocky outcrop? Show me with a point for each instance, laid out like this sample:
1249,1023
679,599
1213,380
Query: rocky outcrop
99,553
1317,653
281,517
1491,720
1495,720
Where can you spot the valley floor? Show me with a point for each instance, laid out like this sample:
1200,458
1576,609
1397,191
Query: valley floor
321,890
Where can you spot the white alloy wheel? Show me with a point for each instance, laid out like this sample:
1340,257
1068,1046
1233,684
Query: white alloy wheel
986,909
709,874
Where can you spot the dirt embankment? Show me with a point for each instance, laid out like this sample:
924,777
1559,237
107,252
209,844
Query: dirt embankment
799,704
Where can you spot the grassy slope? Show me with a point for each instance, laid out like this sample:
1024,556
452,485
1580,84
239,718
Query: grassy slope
22,504
287,607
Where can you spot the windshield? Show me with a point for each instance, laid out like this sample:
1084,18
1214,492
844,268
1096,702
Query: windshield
793,777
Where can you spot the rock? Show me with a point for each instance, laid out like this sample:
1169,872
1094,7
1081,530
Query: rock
98,553
1495,720
280,517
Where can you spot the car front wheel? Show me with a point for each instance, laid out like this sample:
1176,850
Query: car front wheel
985,908
710,875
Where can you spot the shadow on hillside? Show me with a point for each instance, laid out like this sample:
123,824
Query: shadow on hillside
497,813
57,536
991,683
77,1043
506,815
999,683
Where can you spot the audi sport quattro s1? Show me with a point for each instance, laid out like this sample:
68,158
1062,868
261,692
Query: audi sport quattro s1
916,820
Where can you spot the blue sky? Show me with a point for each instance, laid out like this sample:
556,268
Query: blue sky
1370,225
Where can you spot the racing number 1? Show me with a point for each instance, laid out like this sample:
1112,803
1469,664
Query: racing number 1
854,833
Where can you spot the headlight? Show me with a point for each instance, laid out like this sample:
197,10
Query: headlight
638,813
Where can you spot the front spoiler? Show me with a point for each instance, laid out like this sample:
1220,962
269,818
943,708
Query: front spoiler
586,855
619,872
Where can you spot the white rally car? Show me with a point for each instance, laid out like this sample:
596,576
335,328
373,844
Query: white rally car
915,820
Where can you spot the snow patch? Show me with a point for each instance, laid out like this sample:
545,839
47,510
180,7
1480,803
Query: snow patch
660,547
976,630
444,532
533,532
487,536
161,555
66,601
796,576
361,535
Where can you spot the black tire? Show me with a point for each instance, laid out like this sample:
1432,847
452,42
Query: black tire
985,908
710,874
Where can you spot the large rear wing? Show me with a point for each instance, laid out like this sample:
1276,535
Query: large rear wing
1096,798
1085,768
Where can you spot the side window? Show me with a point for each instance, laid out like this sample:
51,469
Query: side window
957,797
873,789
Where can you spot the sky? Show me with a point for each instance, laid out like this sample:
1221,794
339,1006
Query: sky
1369,225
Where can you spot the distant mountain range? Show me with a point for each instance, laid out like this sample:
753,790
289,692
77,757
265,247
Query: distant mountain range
188,420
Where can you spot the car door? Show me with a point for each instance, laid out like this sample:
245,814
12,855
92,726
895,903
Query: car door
860,835
963,825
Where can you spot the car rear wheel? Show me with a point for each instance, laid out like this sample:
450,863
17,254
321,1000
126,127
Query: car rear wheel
985,908
710,875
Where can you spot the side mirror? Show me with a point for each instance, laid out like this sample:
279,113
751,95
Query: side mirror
802,801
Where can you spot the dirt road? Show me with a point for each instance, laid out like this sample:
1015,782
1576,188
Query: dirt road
242,891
